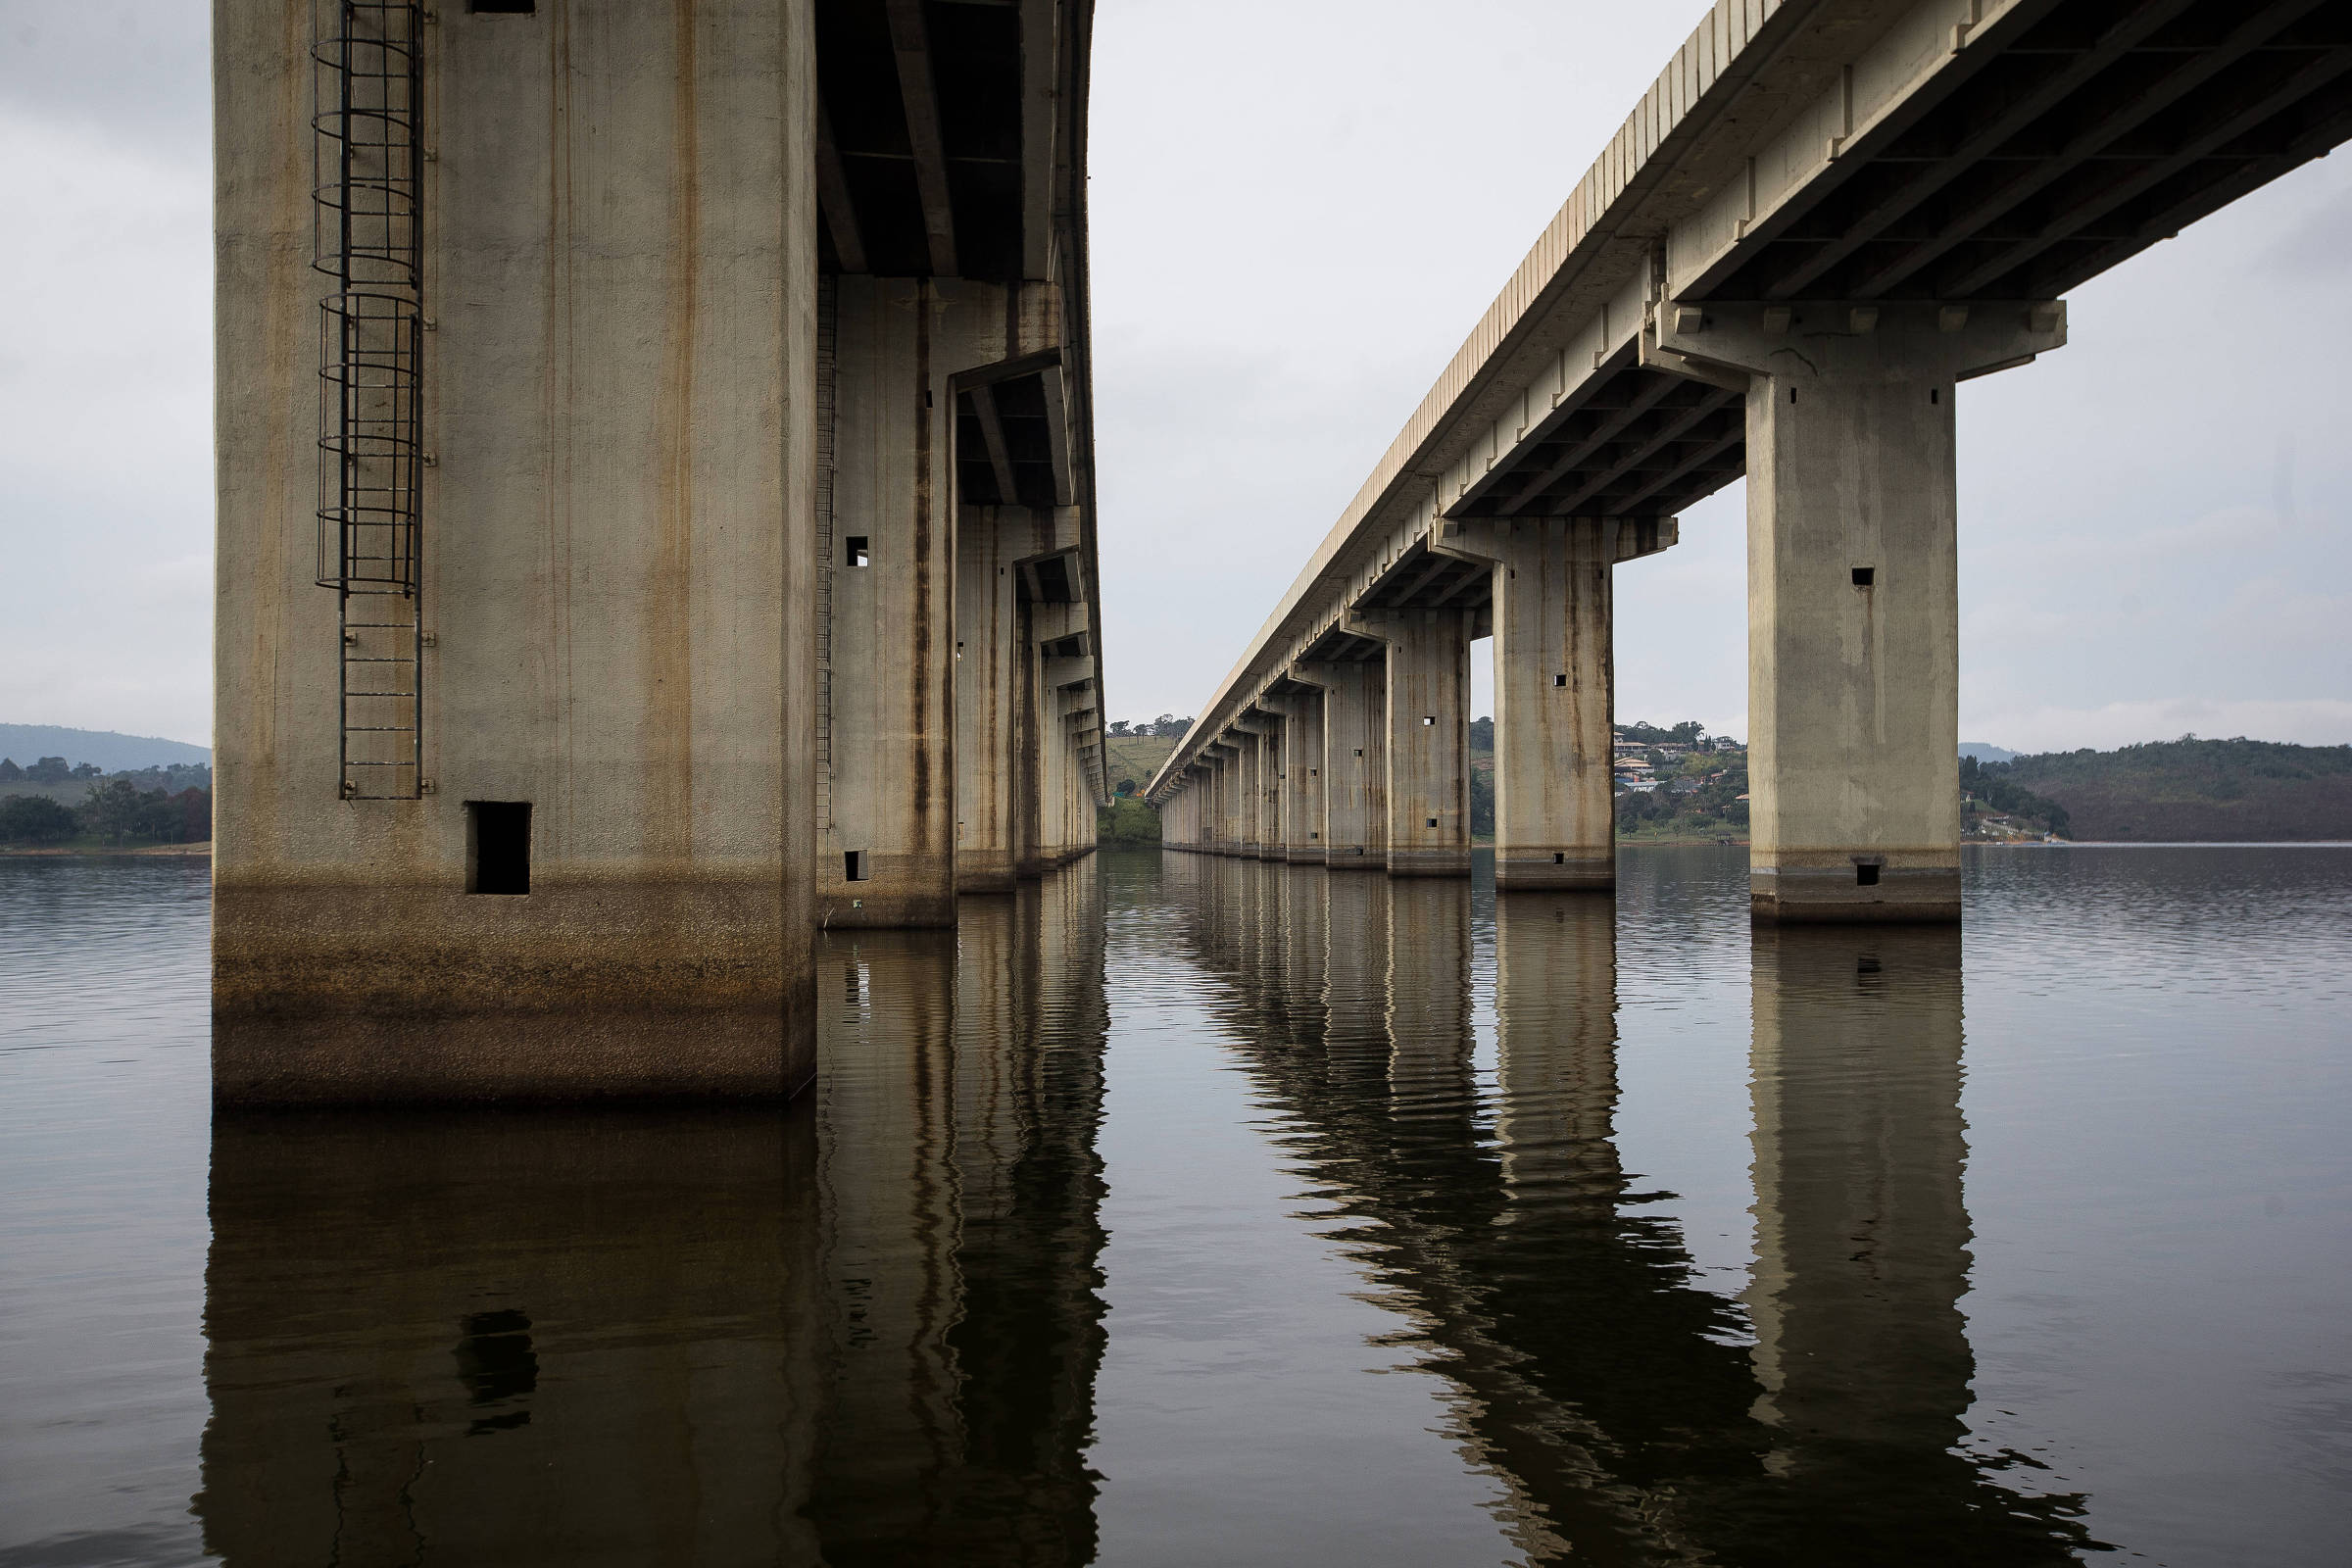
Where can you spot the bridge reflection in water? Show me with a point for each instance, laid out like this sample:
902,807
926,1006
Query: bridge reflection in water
1626,1414
868,1329
865,1331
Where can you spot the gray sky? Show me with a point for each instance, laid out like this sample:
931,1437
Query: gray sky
1299,208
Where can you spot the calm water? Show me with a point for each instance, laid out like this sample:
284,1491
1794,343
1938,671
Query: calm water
1184,1211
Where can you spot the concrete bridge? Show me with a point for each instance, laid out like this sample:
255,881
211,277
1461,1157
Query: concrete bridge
656,522
1821,219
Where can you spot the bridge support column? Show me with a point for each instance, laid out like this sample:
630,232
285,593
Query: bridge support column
889,850
1853,603
991,641
1428,737
1249,786
1302,781
1354,777
1246,758
1225,835
1556,809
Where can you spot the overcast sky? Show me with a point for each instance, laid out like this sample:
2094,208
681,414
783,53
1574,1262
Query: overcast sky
1300,209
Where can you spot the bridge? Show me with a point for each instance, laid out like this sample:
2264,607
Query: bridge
656,522
1822,217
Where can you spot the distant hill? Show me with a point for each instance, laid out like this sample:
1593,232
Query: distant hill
1987,754
2191,791
1136,757
26,744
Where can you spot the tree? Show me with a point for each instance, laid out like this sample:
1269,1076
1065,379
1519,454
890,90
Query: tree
10,773
1118,726
195,809
49,770
115,810
34,819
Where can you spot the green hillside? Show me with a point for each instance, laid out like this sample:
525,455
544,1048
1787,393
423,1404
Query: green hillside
2193,791
1136,757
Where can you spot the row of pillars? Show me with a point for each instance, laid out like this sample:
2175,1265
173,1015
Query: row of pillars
1365,764
1853,647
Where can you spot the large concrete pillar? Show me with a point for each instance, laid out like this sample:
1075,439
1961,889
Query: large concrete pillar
1556,816
1853,598
1354,778
1300,804
889,808
1428,746
599,660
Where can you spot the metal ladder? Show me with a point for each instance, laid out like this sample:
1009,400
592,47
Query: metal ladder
367,78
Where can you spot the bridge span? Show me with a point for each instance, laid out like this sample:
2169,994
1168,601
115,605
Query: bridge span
1819,219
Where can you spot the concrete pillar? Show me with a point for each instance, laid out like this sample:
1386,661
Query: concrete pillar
1356,775
1555,817
990,645
1225,836
1273,768
1301,798
889,850
616,583
1052,778
1428,737
1265,730
1249,750
1853,600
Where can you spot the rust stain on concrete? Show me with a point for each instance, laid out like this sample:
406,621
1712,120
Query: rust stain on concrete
557,403
669,799
919,671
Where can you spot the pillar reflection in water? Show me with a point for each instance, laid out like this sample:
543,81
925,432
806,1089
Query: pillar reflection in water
861,1331
1861,1350
1628,1414
961,1188
540,1339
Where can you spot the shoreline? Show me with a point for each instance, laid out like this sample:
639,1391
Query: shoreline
174,852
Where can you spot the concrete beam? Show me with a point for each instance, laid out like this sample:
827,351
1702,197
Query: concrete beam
833,198
910,43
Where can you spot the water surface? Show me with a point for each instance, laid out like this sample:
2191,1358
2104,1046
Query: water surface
1184,1210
